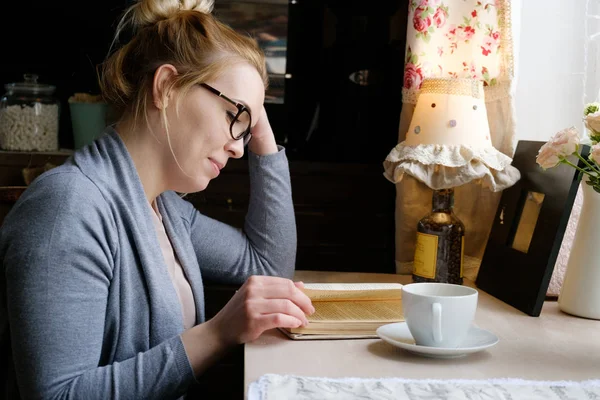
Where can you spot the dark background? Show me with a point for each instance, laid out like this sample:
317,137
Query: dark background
62,42
326,117
344,206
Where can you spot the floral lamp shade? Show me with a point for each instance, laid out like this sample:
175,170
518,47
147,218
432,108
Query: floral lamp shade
448,142
457,39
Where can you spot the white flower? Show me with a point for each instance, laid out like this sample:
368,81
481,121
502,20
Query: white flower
561,145
547,156
595,153
592,122
565,141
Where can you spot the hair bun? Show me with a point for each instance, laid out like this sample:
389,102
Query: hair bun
148,12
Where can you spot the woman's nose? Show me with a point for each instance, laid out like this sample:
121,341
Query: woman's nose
235,148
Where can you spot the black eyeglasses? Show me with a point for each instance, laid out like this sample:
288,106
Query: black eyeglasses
240,122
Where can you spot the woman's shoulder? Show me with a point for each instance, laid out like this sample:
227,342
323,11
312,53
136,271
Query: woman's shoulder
65,183
63,192
59,212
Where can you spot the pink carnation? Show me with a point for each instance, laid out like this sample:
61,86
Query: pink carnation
561,145
595,153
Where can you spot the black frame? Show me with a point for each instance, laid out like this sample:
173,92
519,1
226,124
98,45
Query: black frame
517,278
246,134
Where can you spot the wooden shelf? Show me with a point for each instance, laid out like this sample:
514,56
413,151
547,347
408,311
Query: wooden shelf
60,152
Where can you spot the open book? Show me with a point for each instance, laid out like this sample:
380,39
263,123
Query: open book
349,310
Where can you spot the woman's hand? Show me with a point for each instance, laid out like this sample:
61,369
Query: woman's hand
263,139
262,303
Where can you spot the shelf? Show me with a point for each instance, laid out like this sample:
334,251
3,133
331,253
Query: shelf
59,153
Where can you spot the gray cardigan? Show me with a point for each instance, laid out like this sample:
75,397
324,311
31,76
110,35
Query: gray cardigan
87,299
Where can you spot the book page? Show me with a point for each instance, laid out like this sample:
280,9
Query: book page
363,311
352,291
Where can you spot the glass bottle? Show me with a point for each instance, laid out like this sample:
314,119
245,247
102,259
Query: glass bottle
440,242
29,115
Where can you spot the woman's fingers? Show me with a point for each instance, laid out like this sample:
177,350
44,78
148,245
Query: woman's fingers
270,287
279,306
290,292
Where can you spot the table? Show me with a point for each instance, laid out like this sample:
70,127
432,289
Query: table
553,346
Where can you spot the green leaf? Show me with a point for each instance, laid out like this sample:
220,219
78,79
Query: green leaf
427,38
597,189
590,183
430,29
467,21
493,82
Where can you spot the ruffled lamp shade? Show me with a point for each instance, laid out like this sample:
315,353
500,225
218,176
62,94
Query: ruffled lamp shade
448,143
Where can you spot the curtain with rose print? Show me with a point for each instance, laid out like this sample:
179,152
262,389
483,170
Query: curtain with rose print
460,39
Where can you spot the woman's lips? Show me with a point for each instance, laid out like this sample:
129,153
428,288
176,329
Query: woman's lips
216,166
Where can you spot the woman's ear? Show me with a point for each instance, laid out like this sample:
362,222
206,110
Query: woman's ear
162,85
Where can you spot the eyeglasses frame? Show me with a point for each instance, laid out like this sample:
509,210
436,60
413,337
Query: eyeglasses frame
246,135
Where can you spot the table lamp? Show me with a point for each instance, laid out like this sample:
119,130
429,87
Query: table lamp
448,144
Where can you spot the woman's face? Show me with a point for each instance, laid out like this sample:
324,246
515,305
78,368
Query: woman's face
199,133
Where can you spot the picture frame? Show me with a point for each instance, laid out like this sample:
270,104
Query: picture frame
528,230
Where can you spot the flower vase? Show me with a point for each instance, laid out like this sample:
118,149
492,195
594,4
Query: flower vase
580,292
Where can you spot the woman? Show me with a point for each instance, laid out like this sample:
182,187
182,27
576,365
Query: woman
104,261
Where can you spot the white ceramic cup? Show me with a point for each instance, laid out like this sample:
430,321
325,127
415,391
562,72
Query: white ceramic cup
439,314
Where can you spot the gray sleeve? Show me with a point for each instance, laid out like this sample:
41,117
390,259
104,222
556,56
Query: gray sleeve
267,244
57,249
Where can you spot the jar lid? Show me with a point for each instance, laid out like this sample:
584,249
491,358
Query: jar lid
30,85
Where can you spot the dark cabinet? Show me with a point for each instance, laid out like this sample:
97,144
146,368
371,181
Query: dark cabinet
344,212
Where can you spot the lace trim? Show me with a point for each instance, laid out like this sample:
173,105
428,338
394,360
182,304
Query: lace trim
505,25
461,87
273,386
442,167
499,91
449,156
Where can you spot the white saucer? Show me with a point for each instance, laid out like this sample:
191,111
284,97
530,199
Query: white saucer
398,335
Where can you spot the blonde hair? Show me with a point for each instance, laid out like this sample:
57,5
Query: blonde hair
178,32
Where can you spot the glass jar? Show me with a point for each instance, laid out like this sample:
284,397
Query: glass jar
29,116
440,242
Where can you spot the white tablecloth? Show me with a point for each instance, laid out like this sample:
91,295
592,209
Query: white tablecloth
277,387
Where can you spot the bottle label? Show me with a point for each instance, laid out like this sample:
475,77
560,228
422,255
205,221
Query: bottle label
425,255
462,255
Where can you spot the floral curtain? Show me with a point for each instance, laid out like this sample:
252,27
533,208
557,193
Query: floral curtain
460,39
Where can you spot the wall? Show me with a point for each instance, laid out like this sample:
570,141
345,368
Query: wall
550,66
